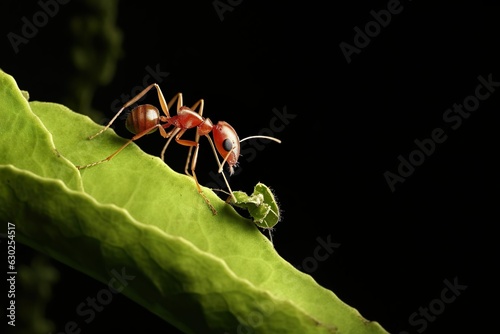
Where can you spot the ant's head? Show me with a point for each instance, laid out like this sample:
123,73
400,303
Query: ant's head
227,143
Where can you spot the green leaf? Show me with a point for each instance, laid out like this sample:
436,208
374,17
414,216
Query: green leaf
136,217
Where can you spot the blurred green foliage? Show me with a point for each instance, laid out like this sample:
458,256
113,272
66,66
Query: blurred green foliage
96,48
34,291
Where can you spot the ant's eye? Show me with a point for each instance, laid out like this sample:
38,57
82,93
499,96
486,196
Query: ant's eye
227,144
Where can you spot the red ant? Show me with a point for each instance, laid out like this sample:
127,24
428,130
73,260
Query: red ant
145,119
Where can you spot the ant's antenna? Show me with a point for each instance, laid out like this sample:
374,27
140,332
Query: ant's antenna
242,140
263,137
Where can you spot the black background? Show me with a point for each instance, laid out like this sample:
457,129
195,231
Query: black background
351,122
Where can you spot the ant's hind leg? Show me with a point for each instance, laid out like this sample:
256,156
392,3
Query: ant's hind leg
134,100
137,136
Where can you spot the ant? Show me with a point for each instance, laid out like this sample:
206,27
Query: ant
146,119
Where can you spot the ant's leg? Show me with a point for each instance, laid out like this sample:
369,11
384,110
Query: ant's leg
194,144
177,97
201,104
137,136
195,156
169,135
165,107
221,165
163,104
193,161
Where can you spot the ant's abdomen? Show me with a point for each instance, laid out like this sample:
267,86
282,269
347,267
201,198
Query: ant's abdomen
142,118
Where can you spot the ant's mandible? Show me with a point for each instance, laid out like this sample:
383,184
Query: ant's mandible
145,119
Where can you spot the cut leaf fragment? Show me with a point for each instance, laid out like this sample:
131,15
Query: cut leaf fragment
261,205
